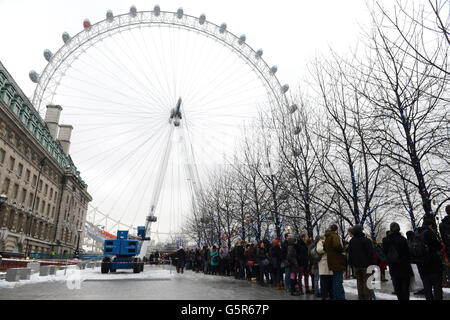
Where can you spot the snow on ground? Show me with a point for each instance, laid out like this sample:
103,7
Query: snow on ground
94,274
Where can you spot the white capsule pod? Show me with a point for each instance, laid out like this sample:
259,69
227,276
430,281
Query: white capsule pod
293,108
65,37
223,28
285,88
34,76
133,11
180,13
297,130
258,53
47,55
242,39
109,16
157,10
202,19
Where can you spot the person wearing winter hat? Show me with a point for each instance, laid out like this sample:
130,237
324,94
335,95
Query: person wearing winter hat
360,256
399,260
336,260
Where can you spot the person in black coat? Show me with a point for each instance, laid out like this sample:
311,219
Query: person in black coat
360,256
396,249
303,264
444,230
181,259
431,270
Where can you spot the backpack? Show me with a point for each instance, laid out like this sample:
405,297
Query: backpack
393,257
419,251
315,256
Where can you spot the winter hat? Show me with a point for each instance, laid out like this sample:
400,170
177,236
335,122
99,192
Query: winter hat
427,222
394,227
357,229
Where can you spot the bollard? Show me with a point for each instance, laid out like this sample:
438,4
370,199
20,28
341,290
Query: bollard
44,271
24,273
52,270
34,266
12,275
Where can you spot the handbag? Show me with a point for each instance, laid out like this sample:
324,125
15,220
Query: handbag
250,263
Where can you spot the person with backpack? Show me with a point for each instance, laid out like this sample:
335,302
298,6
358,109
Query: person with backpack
399,261
425,251
314,258
444,230
360,257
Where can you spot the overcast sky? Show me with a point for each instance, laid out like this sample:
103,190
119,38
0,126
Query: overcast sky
290,32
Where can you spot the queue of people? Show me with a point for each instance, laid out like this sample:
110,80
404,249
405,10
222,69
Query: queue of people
301,265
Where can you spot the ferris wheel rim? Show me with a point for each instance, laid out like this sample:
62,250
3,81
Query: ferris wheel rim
257,63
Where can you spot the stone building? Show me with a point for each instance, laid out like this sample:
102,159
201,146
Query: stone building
47,200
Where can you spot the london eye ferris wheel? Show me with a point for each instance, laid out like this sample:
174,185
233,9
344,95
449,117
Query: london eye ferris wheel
157,100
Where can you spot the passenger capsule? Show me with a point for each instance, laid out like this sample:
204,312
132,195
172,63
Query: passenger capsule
133,11
86,24
157,10
65,37
109,16
47,55
293,108
202,19
180,13
297,130
273,70
242,39
285,88
259,53
34,76
223,28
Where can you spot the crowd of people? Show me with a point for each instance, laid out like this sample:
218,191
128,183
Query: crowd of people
318,266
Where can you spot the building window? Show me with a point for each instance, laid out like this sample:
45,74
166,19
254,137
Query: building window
45,189
30,200
43,207
5,187
15,192
20,170
56,196
53,212
40,186
33,183
11,164
24,196
48,210
51,193
36,205
27,175
2,156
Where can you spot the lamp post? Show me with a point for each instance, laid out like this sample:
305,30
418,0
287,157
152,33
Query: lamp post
77,251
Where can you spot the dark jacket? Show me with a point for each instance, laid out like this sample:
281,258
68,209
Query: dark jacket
335,252
402,269
302,253
444,229
360,250
260,254
284,247
239,252
181,255
250,254
434,261
275,252
292,256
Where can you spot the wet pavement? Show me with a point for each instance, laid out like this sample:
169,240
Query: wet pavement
161,283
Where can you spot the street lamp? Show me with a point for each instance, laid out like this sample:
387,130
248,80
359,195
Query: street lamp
77,251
